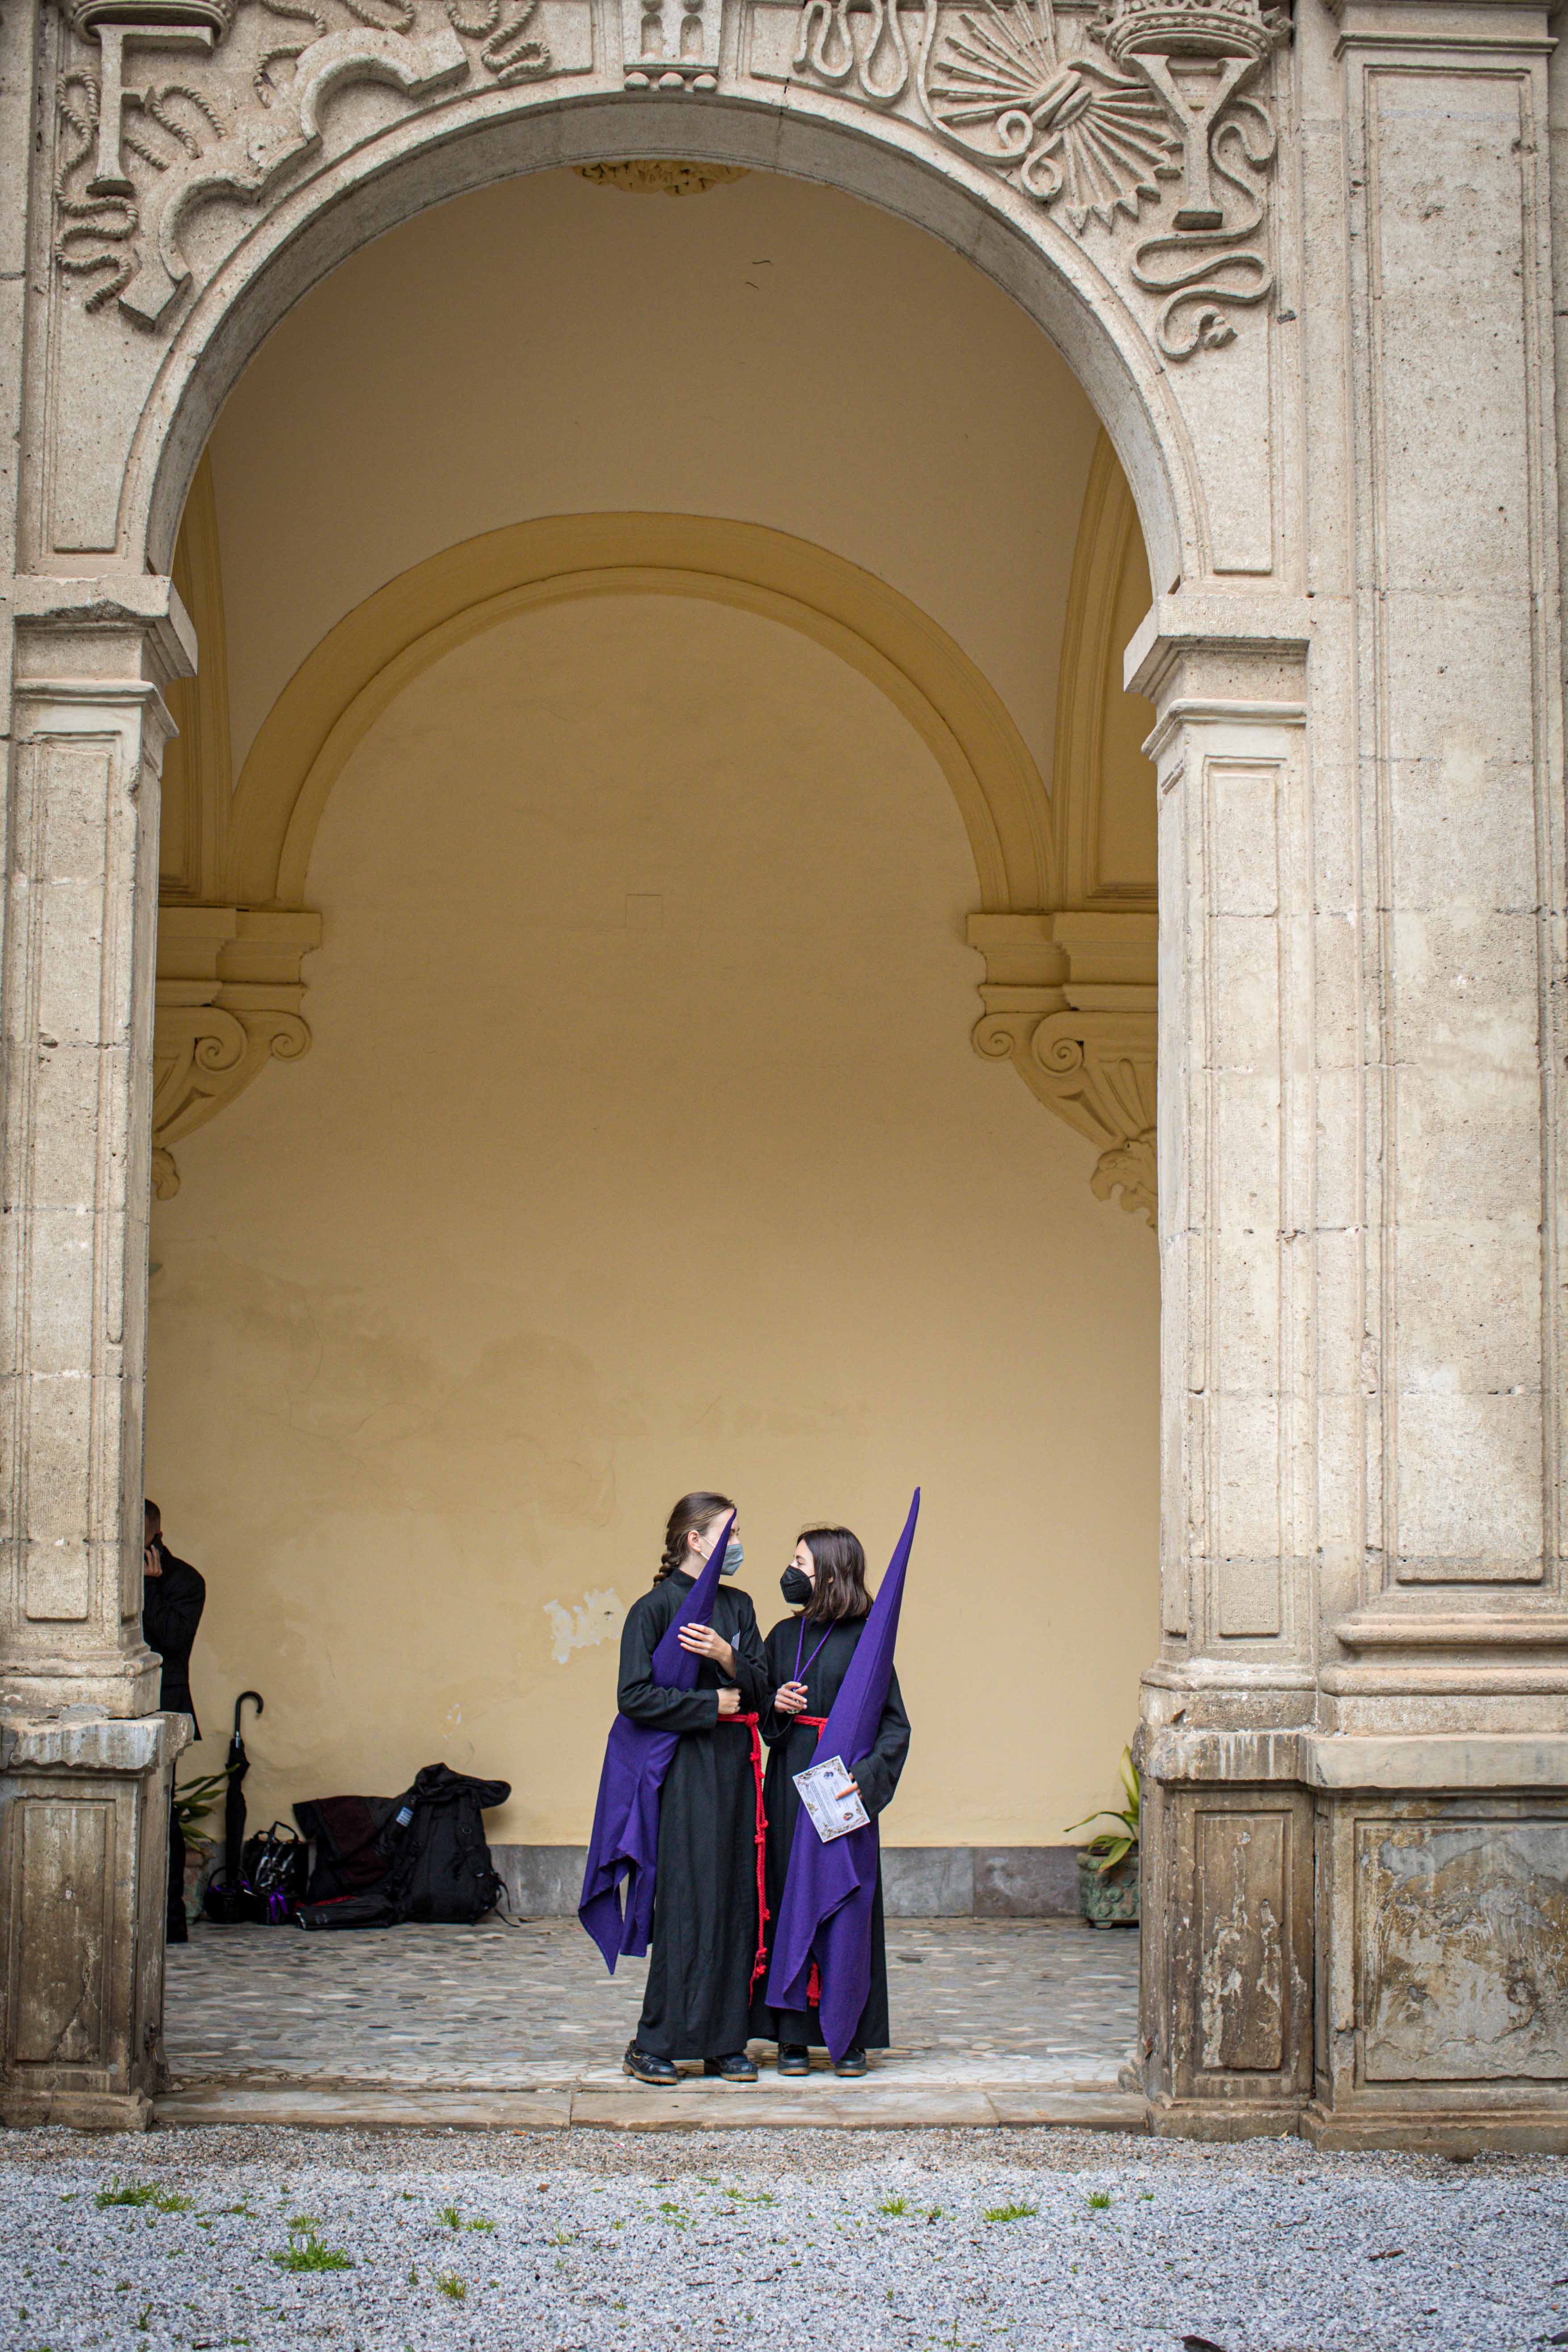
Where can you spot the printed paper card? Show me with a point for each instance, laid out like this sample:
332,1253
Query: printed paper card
832,1800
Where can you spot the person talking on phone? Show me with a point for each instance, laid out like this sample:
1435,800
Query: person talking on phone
173,1595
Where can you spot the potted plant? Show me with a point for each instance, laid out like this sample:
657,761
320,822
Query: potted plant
1108,1864
194,1801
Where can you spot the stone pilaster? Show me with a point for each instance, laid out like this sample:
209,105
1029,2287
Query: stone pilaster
1226,2027
79,911
1355,1746
84,1792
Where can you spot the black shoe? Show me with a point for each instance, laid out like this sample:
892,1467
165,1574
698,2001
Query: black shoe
644,2067
852,2062
175,1931
736,2068
794,2058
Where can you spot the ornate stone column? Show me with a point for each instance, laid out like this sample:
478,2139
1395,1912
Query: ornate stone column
1228,1848
83,1791
1355,1744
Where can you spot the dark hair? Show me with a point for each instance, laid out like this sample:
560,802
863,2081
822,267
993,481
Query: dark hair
691,1515
839,1590
152,1518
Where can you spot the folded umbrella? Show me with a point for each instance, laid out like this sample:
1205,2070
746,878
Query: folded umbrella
829,1889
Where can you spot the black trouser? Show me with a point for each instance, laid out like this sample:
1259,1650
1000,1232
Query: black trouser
176,1910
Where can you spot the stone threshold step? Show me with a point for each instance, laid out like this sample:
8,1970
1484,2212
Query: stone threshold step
721,2107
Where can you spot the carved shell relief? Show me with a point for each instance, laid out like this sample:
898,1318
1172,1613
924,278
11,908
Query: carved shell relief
1100,120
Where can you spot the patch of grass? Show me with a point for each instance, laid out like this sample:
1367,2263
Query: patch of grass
307,2252
934,2215
145,2322
1099,2201
449,2214
1011,2212
894,2205
455,2289
478,2222
413,2275
143,2192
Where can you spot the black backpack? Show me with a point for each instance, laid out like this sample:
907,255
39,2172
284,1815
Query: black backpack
440,1860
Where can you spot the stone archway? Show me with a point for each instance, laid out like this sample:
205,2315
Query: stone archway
1354,1736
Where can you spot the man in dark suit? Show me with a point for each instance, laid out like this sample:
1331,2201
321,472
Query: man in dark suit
173,1598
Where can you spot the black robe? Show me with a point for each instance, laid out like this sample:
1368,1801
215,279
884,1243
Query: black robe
793,1746
171,1607
704,1941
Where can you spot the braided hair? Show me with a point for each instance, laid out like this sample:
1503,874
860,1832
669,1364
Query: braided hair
691,1515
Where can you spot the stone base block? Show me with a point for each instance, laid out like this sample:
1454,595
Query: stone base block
129,2111
84,1855
1221,2120
1518,2131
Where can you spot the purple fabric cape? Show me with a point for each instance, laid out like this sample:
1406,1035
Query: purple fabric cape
625,1843
829,1890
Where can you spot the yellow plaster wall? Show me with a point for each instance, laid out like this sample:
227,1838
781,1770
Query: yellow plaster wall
642,1146
769,352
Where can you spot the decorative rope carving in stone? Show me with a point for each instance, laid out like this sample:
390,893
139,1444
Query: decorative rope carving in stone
1148,96
236,131
1092,124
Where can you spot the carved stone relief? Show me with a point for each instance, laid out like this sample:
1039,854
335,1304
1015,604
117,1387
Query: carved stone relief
152,124
1091,117
165,105
1071,1002
229,997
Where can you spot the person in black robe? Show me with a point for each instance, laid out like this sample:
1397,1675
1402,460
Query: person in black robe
173,1595
704,1944
807,1658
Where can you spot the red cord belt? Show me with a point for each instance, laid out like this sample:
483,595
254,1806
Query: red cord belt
752,1723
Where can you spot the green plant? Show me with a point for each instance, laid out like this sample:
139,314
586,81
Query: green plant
306,2252
1011,2212
448,2214
143,2192
1111,1846
894,2205
1099,2201
452,2286
194,1801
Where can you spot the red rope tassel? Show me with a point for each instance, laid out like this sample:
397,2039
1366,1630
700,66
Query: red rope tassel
752,1724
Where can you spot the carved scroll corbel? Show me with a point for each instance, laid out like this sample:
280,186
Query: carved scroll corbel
1084,1046
227,1002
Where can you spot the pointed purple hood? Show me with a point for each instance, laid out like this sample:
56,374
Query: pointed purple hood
826,1914
624,1840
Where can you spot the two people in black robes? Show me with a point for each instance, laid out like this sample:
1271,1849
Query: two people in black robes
717,1888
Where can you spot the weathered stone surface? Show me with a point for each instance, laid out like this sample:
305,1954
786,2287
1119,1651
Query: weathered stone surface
1342,446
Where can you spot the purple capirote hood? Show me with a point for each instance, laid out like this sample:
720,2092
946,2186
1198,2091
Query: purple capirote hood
829,1890
624,1840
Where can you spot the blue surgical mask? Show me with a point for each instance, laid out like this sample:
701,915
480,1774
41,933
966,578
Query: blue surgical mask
734,1554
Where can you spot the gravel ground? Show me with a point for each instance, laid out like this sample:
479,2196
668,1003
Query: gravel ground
846,2242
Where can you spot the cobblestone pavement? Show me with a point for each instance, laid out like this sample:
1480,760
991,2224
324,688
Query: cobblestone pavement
498,2008
208,2240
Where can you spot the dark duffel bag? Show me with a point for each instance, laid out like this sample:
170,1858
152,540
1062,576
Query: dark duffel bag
440,1867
